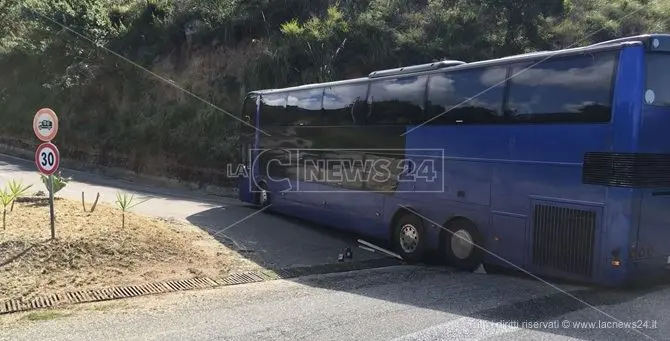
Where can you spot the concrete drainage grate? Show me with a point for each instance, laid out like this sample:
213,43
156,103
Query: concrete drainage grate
84,296
87,296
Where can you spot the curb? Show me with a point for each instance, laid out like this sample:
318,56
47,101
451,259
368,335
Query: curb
121,292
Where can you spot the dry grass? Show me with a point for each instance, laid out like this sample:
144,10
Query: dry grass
92,250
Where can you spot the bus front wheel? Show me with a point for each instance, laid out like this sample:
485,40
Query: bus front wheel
462,245
408,237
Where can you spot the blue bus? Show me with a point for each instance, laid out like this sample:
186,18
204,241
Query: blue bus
553,162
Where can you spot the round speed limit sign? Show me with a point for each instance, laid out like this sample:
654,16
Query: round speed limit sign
47,158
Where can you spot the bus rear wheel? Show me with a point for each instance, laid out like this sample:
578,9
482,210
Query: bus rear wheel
462,245
409,238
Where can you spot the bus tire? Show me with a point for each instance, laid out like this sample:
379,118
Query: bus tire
409,237
459,245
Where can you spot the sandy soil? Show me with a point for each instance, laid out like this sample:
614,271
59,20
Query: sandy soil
93,250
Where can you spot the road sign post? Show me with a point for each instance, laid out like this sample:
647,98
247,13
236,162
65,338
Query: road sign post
47,156
52,215
47,159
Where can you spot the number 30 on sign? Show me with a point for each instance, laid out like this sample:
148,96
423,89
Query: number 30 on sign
47,158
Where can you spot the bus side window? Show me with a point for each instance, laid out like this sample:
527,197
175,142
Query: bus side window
273,109
574,89
398,101
467,96
304,107
359,111
341,105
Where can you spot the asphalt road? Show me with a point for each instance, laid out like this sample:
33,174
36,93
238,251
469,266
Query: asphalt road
398,303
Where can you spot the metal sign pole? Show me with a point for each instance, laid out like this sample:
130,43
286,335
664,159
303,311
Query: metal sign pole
47,157
51,206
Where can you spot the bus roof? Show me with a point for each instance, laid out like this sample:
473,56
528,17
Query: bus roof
659,41
644,38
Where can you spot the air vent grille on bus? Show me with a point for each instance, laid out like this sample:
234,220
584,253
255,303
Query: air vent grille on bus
564,239
627,169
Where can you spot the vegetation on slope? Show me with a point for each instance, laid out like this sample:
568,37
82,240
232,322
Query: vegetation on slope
146,85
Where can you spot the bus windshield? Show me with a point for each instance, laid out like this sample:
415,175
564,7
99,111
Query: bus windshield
658,79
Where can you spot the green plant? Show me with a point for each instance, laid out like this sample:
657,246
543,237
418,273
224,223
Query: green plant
17,189
59,182
6,198
125,203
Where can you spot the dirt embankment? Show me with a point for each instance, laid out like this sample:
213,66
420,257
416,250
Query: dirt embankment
93,250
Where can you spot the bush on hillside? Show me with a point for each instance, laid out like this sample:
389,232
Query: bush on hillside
149,85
